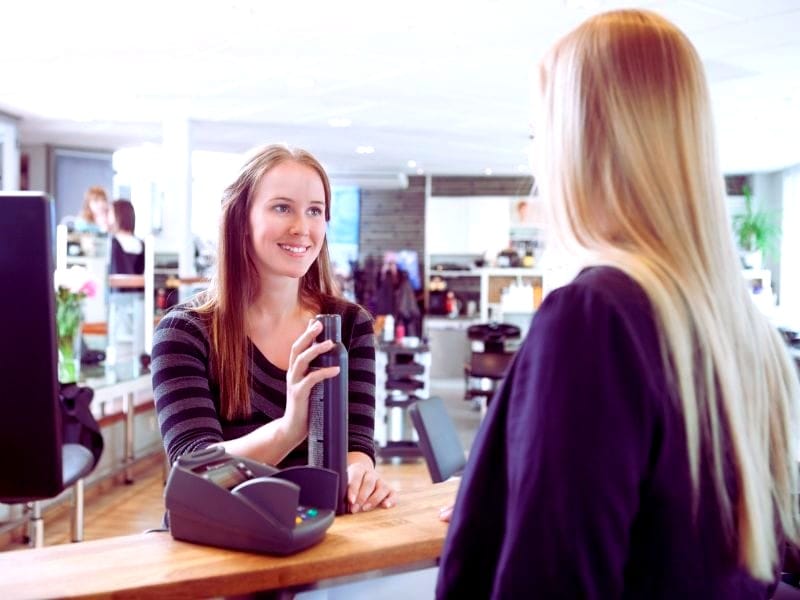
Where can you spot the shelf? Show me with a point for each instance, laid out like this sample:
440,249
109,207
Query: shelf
455,273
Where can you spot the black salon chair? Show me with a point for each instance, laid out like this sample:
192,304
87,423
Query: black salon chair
42,452
76,463
487,366
438,438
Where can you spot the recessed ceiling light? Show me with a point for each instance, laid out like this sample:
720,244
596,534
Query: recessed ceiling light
412,164
339,122
487,171
364,150
420,171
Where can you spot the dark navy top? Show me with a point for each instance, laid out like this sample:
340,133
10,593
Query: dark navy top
578,482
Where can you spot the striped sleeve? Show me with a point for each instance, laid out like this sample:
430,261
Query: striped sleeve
187,416
361,381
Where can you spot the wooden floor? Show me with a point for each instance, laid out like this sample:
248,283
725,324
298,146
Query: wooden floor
120,509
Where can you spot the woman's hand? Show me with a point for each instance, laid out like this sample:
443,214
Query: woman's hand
445,513
365,488
300,380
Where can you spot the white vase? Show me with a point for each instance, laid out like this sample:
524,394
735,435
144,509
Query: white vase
753,260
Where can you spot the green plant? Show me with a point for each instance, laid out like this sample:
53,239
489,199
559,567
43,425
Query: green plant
755,229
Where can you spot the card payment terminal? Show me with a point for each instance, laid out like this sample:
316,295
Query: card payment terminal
234,502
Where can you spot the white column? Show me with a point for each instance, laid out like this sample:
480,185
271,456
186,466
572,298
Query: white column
149,291
9,161
177,209
790,249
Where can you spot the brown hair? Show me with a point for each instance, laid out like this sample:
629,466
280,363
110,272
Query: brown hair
236,282
93,192
124,215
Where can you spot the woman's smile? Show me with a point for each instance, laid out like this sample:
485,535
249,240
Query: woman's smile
298,251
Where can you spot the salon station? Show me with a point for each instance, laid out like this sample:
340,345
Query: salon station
436,229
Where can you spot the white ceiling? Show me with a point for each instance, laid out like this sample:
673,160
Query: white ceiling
443,83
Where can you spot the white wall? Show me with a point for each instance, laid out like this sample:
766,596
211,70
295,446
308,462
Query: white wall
471,225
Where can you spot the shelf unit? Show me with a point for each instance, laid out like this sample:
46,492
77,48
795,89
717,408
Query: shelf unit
92,253
494,281
402,374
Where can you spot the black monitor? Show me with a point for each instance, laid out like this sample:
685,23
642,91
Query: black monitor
30,421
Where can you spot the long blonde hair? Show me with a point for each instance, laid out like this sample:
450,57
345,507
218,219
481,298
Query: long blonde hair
628,162
236,282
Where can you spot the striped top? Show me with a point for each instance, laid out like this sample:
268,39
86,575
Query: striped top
187,399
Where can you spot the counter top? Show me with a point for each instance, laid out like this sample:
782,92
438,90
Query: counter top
443,322
477,272
153,565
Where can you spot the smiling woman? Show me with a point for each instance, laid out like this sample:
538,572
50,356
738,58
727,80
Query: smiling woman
231,367
287,220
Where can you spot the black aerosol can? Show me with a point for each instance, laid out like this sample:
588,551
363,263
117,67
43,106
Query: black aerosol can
327,411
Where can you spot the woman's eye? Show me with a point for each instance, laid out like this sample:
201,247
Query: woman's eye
281,208
315,211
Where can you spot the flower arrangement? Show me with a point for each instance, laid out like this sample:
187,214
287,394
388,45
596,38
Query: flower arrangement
72,286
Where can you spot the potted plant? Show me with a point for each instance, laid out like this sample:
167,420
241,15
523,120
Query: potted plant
756,232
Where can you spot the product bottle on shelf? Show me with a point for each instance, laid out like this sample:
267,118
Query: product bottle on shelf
388,329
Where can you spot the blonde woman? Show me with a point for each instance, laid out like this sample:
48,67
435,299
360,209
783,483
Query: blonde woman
232,369
642,445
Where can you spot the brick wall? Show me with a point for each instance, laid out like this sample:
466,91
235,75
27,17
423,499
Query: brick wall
481,186
393,219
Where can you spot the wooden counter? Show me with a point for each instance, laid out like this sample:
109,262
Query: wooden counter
123,282
405,537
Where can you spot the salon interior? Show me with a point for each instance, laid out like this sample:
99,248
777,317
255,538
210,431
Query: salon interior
421,116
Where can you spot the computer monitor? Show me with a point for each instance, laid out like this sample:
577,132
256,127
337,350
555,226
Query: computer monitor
30,421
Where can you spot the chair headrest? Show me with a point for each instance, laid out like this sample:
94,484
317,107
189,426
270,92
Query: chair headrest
493,331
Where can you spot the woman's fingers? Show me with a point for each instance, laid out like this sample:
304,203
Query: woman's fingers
366,490
445,513
303,360
355,479
382,495
312,378
305,340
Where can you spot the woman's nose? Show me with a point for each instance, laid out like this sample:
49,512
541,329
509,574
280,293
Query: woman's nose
299,225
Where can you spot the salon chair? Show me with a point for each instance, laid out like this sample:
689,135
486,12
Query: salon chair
37,463
487,366
77,462
438,438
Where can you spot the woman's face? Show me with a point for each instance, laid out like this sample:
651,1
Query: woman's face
98,206
287,220
112,221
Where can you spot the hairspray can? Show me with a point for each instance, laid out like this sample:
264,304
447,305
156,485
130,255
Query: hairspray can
327,411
